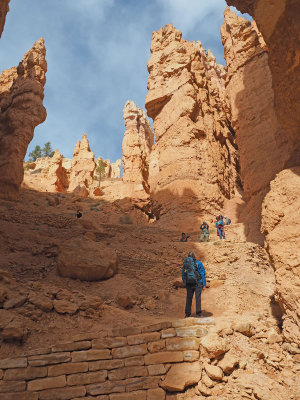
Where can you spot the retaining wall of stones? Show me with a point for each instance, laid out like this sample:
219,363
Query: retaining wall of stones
119,364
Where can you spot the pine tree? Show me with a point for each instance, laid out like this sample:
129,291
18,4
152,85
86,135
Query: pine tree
47,150
36,153
100,169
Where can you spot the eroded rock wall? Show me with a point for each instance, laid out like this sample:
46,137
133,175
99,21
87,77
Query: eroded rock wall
21,104
260,138
281,227
193,164
265,149
56,178
137,144
4,8
116,169
278,22
83,165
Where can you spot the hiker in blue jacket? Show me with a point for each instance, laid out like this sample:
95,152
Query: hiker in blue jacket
193,277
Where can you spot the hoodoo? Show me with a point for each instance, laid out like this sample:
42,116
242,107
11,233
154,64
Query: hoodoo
93,265
278,21
260,138
137,145
193,166
21,103
83,165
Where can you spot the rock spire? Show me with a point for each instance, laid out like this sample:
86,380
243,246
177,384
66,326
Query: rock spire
21,104
137,144
278,22
83,165
193,164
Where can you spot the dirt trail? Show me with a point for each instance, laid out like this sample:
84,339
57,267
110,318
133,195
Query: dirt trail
150,261
146,289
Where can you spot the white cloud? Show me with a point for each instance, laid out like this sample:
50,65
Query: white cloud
189,13
97,53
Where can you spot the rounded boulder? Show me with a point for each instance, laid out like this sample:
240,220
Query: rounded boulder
86,260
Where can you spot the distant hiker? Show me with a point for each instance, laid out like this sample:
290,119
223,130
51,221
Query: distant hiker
78,214
204,232
220,227
227,221
193,277
184,237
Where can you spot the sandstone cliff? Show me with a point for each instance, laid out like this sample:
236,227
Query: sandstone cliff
21,103
137,144
115,172
193,164
83,165
56,178
4,8
260,138
281,227
278,22
267,142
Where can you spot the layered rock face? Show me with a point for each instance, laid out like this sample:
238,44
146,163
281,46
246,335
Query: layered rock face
21,103
115,171
278,22
4,8
260,138
83,165
266,139
281,227
137,144
56,177
193,165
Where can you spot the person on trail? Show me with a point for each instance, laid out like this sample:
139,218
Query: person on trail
193,277
78,214
184,237
220,227
227,221
204,232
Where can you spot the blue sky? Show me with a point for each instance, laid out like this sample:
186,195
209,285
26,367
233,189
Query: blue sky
97,53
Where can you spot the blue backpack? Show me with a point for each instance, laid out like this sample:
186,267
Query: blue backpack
190,271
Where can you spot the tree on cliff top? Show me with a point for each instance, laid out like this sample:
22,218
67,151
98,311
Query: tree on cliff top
47,150
100,169
37,152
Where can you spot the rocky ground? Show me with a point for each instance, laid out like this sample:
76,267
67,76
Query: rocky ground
39,307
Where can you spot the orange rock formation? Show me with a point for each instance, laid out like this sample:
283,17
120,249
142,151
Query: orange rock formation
56,177
193,165
115,171
278,22
259,136
137,144
266,146
21,103
4,8
83,165
281,227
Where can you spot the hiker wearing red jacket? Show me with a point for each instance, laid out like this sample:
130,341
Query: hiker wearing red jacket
220,227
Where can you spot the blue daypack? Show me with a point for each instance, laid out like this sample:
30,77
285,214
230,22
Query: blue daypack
191,271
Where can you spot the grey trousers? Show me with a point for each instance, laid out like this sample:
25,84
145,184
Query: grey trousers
204,235
190,290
